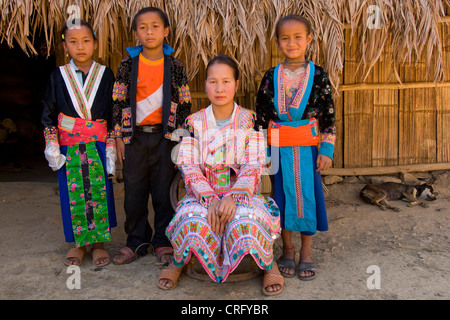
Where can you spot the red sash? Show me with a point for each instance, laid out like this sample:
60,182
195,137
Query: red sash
73,131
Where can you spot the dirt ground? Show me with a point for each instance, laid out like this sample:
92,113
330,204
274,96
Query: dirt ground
409,249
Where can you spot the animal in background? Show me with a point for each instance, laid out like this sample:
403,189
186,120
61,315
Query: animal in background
379,195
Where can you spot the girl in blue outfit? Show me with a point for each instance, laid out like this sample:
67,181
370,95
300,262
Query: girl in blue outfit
295,105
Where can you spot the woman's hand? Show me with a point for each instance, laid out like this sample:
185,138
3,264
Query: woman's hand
220,212
213,217
226,210
323,162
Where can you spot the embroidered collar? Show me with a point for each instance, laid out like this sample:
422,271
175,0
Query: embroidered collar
212,122
79,73
82,96
134,51
72,63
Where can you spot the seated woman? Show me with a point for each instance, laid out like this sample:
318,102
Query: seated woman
223,217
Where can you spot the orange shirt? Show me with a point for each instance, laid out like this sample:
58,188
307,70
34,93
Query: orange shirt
149,94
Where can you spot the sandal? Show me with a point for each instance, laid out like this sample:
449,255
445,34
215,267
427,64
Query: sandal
75,253
169,274
271,279
163,251
129,254
306,266
99,254
287,263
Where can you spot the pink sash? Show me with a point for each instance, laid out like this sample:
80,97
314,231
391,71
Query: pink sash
73,131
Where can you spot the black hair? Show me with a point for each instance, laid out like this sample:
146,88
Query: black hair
161,13
223,58
292,17
76,22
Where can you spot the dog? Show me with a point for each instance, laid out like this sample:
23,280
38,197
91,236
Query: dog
380,194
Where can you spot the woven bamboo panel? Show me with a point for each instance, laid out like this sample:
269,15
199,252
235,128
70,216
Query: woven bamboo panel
385,114
338,160
417,118
385,128
357,114
443,103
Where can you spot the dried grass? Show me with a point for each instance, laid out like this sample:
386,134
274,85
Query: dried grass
243,29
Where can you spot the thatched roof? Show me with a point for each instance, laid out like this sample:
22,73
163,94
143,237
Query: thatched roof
244,29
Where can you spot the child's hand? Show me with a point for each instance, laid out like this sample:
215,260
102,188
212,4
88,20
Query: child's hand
323,162
120,146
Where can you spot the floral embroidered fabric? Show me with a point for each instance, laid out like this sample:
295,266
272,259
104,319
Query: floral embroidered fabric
217,162
87,194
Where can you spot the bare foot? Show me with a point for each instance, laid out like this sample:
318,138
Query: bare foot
125,255
306,256
164,255
273,281
101,257
74,256
169,277
288,253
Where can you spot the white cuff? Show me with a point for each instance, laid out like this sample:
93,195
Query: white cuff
53,155
111,161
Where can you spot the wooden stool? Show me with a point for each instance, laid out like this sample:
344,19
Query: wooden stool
246,270
177,190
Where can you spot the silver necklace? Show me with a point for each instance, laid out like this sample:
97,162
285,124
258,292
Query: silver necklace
292,74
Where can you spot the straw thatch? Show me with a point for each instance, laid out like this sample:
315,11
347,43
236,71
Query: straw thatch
244,30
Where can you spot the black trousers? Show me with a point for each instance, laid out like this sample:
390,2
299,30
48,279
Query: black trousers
147,169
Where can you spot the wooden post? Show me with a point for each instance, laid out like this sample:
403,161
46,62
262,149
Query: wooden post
373,171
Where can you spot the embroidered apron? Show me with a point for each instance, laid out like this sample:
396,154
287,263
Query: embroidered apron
86,178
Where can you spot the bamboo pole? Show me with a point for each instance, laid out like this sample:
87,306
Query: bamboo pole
203,95
373,171
393,86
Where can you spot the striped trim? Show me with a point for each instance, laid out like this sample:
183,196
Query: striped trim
297,181
74,91
82,99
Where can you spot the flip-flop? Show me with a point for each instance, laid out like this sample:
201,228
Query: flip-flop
77,253
286,263
128,253
163,251
169,274
98,254
306,266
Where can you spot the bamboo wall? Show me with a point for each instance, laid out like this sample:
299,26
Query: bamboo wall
392,124
379,121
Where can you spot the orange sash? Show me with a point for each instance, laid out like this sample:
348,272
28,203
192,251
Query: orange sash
303,135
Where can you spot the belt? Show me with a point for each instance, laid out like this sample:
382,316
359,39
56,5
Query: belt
150,129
